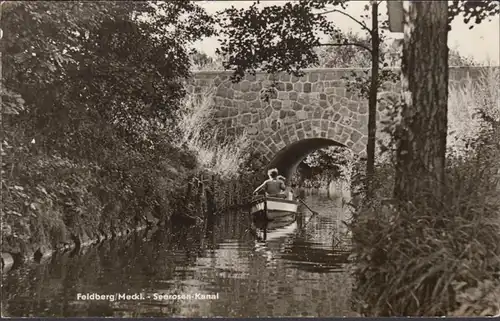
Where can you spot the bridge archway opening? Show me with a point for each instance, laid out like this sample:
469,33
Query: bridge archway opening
288,158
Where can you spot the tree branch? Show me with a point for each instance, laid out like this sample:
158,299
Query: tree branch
346,44
362,24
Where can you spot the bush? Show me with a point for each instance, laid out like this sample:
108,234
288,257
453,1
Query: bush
88,136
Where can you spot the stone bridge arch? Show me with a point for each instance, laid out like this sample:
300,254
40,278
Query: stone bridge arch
303,114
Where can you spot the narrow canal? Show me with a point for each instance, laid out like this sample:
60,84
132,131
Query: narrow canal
299,271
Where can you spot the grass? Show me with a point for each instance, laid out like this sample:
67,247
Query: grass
216,153
466,101
440,258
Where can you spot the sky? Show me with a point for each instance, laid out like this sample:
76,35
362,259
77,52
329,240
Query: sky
481,43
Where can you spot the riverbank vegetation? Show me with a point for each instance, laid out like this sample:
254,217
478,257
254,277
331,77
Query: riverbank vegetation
446,262
89,113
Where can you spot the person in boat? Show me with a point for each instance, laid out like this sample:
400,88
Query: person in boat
273,187
288,188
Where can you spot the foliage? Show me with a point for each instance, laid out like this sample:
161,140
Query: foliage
473,9
262,38
408,267
444,262
215,152
97,86
331,163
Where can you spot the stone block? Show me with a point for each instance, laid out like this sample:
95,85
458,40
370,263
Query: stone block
238,95
297,106
313,77
256,86
329,90
339,130
318,87
324,125
343,138
286,140
303,99
233,112
251,96
293,95
340,92
256,105
344,111
246,119
307,87
331,133
353,106
276,104
301,115
282,95
297,87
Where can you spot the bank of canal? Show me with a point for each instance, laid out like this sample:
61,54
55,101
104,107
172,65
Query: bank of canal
299,274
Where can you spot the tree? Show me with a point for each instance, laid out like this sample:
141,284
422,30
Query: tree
120,65
261,39
421,134
421,145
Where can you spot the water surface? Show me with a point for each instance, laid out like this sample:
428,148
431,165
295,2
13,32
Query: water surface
298,271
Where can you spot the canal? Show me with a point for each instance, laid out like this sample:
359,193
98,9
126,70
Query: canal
299,271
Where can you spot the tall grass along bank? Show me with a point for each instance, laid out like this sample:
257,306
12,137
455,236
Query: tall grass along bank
436,258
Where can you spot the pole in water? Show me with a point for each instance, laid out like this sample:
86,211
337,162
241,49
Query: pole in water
314,212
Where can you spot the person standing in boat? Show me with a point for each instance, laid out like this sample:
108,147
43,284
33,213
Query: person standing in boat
273,186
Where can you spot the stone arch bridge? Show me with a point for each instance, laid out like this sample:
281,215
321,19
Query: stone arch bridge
302,115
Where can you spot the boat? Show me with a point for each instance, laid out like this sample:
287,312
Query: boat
272,208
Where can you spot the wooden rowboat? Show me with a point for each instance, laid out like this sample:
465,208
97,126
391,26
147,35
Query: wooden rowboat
272,208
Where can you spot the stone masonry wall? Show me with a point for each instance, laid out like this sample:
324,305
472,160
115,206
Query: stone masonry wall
317,105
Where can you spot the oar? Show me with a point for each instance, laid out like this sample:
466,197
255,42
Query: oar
314,212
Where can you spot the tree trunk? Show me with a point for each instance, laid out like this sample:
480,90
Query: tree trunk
372,101
421,149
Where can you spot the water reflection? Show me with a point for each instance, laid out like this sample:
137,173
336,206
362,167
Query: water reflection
294,272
